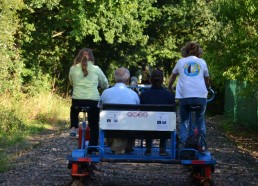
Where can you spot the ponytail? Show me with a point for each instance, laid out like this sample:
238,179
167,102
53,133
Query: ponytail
84,64
83,57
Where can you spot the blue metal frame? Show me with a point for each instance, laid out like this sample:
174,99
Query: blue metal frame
106,155
138,153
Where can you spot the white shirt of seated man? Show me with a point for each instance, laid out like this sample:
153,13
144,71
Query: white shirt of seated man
120,94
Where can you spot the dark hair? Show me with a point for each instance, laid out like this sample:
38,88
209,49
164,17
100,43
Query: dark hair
156,78
83,57
191,49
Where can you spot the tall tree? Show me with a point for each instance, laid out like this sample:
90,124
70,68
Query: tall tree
178,22
125,32
234,50
56,30
10,62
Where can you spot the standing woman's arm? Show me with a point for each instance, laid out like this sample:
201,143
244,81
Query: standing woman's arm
103,82
207,81
172,80
70,77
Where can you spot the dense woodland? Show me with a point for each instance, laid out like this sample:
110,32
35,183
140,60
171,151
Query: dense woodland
40,38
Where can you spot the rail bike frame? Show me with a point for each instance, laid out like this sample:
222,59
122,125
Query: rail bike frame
140,122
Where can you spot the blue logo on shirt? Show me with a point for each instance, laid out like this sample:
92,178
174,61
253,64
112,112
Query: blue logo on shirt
192,68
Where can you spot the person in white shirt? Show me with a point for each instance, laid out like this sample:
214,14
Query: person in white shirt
191,88
120,94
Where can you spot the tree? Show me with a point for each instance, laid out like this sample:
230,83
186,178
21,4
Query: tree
234,50
54,31
178,22
10,62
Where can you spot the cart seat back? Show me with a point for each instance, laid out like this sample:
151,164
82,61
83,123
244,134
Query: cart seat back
138,117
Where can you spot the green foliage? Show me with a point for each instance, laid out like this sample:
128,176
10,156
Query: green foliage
11,127
4,162
54,31
26,116
9,121
40,38
36,82
178,23
10,62
227,125
122,33
234,50
120,21
49,33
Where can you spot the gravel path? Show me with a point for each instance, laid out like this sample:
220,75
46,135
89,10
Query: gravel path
46,164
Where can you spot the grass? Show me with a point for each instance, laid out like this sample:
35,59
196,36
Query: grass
22,117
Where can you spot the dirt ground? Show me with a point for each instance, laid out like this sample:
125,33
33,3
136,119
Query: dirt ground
45,163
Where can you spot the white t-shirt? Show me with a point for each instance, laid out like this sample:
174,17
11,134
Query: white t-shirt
191,83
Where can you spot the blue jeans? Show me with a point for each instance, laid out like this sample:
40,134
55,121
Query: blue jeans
184,129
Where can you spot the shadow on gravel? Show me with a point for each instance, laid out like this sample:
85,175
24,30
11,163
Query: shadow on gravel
46,164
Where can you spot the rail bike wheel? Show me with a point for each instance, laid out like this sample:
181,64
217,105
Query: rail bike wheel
83,175
81,181
204,182
201,176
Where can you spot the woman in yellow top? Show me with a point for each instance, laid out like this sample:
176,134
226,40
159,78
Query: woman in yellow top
85,77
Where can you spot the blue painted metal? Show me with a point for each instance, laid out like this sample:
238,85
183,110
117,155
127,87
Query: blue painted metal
106,155
78,153
198,162
83,134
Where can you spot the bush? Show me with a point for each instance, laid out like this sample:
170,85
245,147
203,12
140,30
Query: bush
23,116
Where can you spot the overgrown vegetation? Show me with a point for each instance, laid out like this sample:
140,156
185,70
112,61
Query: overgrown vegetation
25,116
39,39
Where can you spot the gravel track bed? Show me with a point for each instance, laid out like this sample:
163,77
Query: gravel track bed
46,164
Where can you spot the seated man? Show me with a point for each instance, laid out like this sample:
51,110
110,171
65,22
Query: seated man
156,95
120,94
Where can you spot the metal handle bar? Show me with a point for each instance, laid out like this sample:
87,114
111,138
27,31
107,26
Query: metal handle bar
210,90
212,95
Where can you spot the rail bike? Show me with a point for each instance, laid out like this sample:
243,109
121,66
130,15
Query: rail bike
140,122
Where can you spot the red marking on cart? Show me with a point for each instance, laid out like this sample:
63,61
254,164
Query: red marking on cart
75,171
145,114
84,159
198,162
135,114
